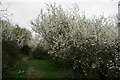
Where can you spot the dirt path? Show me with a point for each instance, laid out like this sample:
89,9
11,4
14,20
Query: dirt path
25,59
32,72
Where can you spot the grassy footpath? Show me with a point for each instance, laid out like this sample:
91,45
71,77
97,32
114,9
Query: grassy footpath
35,68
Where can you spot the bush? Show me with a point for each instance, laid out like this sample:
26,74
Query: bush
10,47
11,56
10,53
85,45
39,52
25,49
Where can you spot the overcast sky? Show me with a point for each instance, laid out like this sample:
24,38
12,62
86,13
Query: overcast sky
25,10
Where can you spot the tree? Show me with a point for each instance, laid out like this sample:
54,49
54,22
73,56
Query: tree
22,35
77,42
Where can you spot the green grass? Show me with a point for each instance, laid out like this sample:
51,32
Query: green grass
17,72
47,68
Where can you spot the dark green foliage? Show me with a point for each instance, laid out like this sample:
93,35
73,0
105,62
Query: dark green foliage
11,56
16,72
10,52
40,53
25,49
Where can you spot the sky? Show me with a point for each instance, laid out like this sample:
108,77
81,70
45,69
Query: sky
26,10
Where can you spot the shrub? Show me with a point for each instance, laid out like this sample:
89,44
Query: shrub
39,47
10,53
39,52
10,47
85,45
11,56
25,49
